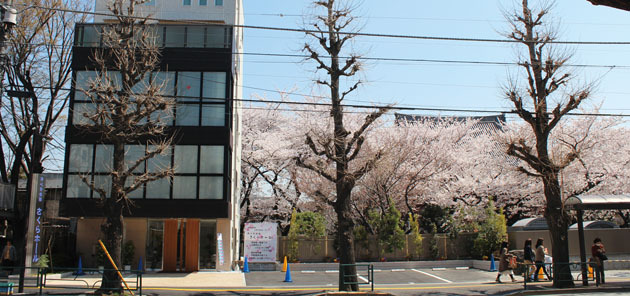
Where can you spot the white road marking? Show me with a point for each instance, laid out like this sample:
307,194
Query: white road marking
438,268
363,279
462,268
432,275
308,271
378,270
398,270
332,271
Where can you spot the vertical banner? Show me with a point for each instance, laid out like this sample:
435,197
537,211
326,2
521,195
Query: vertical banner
220,247
261,240
34,243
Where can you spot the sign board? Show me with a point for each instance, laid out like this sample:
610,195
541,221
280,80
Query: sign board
261,240
34,244
220,247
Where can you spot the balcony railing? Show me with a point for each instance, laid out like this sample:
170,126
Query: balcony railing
179,36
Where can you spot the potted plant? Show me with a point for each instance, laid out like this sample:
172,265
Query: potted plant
128,252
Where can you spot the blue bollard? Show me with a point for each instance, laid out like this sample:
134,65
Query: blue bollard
245,266
287,276
140,265
492,265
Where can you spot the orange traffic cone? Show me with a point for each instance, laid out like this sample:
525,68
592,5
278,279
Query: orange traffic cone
284,266
541,275
590,272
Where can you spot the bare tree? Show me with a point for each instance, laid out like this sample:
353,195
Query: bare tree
124,115
328,32
39,66
545,76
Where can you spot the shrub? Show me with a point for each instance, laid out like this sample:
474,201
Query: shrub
492,231
306,224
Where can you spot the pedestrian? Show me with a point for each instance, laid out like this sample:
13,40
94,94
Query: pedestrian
504,263
599,255
540,259
528,259
8,257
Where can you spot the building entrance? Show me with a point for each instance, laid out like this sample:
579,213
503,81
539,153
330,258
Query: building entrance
181,245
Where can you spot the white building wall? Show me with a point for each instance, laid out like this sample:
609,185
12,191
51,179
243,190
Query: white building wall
175,10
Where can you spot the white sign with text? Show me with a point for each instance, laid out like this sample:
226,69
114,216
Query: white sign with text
261,241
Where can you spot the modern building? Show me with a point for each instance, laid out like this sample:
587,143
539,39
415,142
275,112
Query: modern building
190,221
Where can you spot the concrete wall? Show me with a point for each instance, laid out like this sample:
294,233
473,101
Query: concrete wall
616,241
224,226
89,232
136,231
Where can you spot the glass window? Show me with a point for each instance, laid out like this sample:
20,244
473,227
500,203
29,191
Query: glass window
166,82
80,158
215,37
155,239
184,187
203,2
187,114
207,244
195,36
214,85
77,188
188,85
82,83
211,160
103,182
91,36
132,154
158,162
185,159
175,35
136,194
213,115
218,2
159,189
187,2
80,110
211,188
104,158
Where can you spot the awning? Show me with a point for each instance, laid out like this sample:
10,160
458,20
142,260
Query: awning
599,202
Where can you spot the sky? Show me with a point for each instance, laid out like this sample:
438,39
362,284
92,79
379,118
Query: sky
437,85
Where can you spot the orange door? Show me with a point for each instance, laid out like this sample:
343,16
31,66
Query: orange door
192,245
170,245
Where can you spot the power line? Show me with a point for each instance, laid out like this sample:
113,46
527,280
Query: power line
374,107
381,35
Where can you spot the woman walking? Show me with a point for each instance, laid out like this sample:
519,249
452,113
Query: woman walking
504,263
528,259
540,259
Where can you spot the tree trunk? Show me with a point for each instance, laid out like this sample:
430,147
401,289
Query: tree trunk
558,220
345,236
113,230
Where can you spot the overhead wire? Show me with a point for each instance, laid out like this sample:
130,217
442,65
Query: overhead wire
381,35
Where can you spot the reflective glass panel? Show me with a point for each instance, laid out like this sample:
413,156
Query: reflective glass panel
103,158
184,187
211,160
214,85
80,158
211,188
185,159
77,188
159,189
